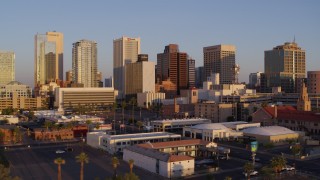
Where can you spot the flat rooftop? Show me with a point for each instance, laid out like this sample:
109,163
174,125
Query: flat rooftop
137,135
169,144
182,120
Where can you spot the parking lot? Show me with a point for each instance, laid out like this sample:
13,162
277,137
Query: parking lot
36,163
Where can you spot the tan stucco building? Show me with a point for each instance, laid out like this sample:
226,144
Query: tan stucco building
217,112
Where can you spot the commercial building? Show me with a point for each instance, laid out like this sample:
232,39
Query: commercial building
42,134
220,59
289,117
139,77
313,82
189,147
199,76
284,65
116,143
84,63
48,58
147,99
164,164
172,66
75,97
7,67
125,51
191,73
69,76
270,134
108,82
216,112
22,90
21,102
210,132
175,125
7,131
255,80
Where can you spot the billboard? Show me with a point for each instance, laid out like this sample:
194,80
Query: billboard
254,146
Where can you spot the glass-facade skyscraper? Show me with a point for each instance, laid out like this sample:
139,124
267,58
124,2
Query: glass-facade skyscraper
48,58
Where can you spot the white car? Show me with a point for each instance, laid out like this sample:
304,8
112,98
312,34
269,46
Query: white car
288,168
59,151
253,173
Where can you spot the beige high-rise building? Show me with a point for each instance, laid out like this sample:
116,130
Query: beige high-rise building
84,63
140,77
69,76
125,51
220,59
284,65
7,67
48,58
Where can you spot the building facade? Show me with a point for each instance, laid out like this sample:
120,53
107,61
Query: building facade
21,102
75,97
84,63
284,65
125,51
7,67
313,81
199,76
220,59
48,58
172,66
191,73
69,76
148,99
139,77
22,90
255,80
217,112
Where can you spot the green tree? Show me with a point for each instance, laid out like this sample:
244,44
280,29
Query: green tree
267,172
133,102
296,150
82,158
114,107
88,122
115,163
130,176
131,163
17,135
59,161
5,173
123,106
48,124
228,178
278,163
139,124
97,126
248,168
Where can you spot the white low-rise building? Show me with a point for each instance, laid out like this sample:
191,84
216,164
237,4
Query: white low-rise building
212,131
147,99
176,124
161,163
116,143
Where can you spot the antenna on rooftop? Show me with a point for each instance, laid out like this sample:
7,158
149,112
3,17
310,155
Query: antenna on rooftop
294,38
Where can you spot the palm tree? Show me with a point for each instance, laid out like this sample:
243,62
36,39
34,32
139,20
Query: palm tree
82,158
123,105
139,124
248,168
133,101
47,125
131,162
115,163
278,163
114,107
88,122
59,161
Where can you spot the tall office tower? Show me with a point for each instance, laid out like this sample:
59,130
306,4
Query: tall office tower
199,76
191,73
125,51
313,81
99,79
284,65
140,76
84,63
7,67
255,80
69,76
48,58
220,59
108,82
172,65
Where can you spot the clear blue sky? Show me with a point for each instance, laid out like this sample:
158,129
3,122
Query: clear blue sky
252,26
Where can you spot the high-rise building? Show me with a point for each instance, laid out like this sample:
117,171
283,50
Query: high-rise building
172,66
220,59
69,76
191,73
313,82
7,67
199,76
284,65
139,77
255,80
304,103
84,63
108,82
125,51
48,58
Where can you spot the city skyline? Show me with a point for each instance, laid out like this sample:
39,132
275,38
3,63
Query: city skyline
253,27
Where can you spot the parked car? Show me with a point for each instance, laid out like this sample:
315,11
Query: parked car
222,157
253,173
59,151
288,168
